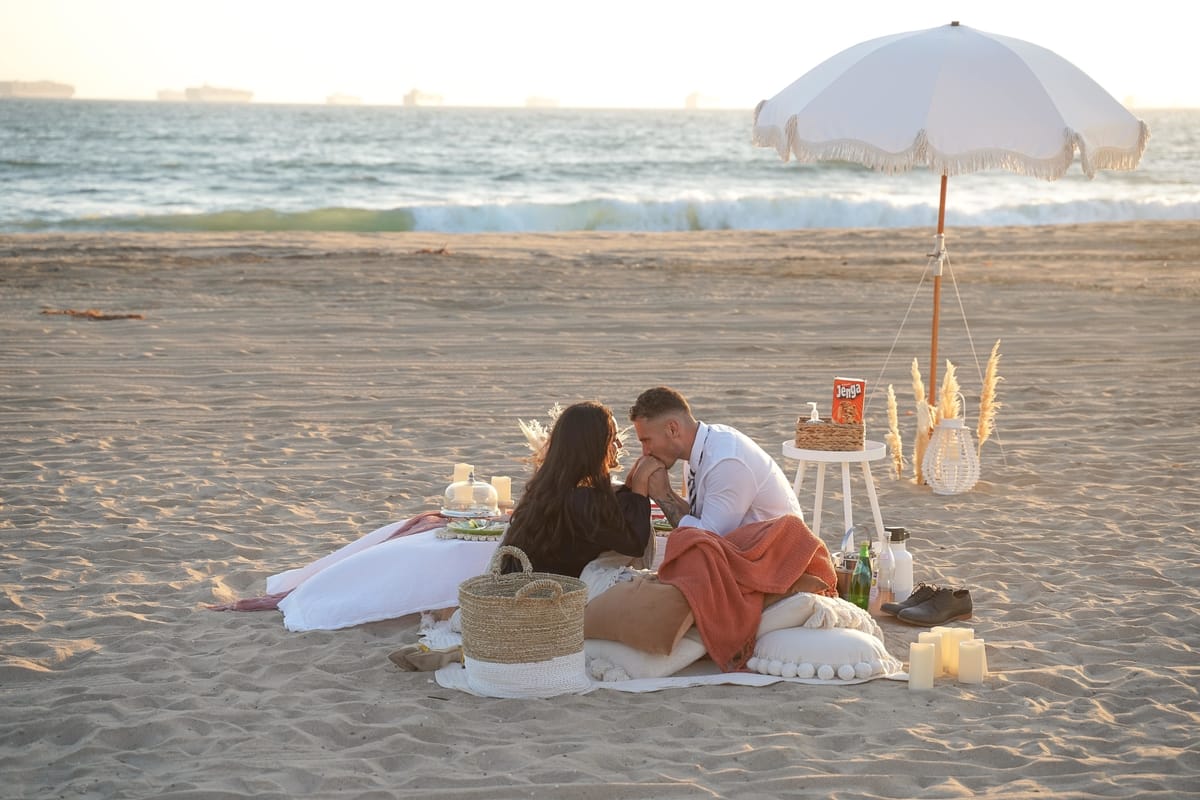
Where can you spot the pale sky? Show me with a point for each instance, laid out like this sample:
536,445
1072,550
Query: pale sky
616,53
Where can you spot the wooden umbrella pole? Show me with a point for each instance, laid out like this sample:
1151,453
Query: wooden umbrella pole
937,296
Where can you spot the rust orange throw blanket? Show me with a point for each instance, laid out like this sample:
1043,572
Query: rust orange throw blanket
724,578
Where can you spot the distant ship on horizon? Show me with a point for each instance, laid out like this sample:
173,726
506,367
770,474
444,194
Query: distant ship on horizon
419,98
37,89
216,94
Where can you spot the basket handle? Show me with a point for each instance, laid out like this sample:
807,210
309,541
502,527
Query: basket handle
556,590
508,550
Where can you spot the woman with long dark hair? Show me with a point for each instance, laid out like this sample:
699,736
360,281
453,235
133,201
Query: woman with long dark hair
570,512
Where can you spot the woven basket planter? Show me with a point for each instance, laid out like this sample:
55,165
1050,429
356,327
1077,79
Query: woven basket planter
523,632
834,436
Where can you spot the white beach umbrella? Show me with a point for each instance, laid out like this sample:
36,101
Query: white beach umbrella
955,100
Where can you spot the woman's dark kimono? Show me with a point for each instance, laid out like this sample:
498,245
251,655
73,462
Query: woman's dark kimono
570,558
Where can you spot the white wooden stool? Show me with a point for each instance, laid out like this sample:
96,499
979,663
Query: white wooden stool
871,451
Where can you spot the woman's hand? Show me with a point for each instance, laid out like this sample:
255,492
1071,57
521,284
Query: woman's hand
640,474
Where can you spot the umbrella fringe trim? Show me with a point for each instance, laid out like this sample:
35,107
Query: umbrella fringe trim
771,137
788,144
1045,168
1113,157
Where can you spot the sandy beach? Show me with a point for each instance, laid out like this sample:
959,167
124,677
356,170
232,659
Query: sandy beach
282,394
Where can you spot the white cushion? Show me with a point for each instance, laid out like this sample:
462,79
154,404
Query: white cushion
816,611
614,661
823,654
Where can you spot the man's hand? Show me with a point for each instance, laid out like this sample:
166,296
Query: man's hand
638,479
673,506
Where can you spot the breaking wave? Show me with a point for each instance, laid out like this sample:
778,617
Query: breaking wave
620,215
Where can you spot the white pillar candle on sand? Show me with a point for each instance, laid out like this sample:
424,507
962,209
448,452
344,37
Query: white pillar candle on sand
940,630
934,638
462,472
463,493
503,486
920,666
972,661
951,639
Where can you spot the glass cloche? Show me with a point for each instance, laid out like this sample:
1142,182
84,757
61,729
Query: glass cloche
470,498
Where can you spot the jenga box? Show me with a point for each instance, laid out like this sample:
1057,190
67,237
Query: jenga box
849,394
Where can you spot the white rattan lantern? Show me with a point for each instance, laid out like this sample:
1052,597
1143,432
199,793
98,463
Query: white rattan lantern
951,465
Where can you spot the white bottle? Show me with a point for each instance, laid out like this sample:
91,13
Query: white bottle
902,564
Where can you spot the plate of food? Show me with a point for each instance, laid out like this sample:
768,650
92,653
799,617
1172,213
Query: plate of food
478,527
468,513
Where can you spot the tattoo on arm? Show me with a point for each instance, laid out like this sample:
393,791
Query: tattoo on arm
674,507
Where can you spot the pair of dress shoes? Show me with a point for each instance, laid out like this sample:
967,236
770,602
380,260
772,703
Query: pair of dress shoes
930,605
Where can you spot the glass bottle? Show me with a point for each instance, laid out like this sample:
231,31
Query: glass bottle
860,579
848,546
887,569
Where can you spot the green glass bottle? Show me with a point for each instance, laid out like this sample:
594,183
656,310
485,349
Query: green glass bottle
860,579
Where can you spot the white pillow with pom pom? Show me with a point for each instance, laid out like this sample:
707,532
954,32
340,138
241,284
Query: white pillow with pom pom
823,654
816,611
614,661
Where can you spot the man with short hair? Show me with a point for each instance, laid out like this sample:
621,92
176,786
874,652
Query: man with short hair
731,480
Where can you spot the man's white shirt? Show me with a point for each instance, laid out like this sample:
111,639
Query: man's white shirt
737,482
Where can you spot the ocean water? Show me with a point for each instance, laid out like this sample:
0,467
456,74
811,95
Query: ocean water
148,166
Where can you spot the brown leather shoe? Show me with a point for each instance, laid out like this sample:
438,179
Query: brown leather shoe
944,606
919,595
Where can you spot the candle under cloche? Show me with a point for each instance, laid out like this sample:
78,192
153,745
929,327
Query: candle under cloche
470,498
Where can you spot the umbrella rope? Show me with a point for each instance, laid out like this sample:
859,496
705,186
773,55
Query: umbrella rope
907,312
971,341
944,257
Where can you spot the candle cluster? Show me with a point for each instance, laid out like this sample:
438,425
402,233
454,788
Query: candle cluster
945,650
501,483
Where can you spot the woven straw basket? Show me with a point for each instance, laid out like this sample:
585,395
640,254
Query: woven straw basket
834,436
522,617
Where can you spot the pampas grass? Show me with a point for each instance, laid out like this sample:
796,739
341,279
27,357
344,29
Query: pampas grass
537,436
948,404
988,405
894,442
925,421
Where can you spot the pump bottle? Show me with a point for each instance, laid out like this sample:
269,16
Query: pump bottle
902,563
